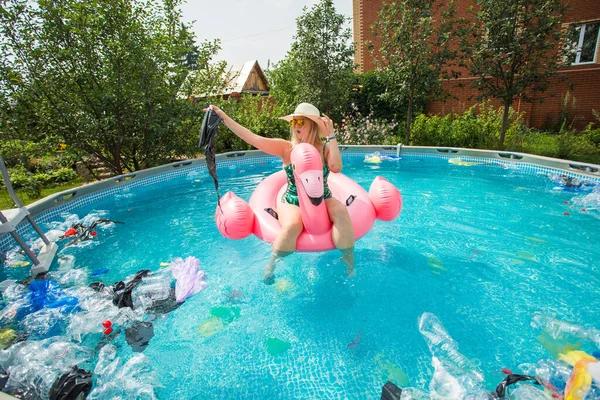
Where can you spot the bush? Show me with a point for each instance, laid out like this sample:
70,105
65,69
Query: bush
478,127
432,131
31,184
358,129
24,181
538,143
63,175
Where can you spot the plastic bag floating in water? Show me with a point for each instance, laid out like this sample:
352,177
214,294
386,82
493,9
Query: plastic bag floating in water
377,158
190,279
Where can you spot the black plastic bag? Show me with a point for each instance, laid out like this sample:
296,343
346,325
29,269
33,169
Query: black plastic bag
139,335
71,385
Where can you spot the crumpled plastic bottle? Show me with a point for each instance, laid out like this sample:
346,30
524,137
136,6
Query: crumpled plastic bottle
557,328
454,376
33,366
95,308
115,378
152,289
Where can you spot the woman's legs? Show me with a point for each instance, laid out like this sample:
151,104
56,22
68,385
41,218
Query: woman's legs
342,232
290,220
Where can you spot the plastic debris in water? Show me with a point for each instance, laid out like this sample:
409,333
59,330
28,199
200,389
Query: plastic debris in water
226,314
17,264
190,279
558,329
435,264
165,264
460,162
389,391
235,296
210,327
283,285
454,375
139,336
377,158
534,239
129,377
354,343
580,382
221,317
373,159
391,372
100,271
73,384
7,337
525,255
556,346
276,346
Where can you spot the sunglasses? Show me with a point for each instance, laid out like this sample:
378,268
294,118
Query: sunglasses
299,122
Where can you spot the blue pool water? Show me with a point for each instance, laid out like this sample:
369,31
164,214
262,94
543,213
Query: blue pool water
481,247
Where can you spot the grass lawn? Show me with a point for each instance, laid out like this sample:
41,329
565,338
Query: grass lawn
6,202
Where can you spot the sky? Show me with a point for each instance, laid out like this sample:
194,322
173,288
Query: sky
249,30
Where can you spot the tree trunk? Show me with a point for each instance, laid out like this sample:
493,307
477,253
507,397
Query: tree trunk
408,120
504,125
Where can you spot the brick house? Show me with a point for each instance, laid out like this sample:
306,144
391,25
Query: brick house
583,75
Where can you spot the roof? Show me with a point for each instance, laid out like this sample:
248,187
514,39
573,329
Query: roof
250,79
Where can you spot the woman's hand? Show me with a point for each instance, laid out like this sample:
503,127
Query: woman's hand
216,109
328,125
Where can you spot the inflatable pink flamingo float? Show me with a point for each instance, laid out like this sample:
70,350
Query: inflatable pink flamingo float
237,219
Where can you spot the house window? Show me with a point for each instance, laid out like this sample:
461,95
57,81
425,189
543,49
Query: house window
584,43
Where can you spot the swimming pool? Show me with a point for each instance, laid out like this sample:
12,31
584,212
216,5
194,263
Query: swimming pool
482,248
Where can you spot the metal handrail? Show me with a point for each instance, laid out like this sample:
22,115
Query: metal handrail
9,187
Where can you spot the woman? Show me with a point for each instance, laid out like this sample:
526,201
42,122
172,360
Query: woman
306,126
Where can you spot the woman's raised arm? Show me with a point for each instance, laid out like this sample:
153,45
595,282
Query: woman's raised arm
275,147
334,158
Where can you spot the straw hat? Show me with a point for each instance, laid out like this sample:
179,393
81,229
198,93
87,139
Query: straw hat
306,110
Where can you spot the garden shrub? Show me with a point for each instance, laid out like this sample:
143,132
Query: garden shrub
24,181
478,127
63,175
366,130
533,142
33,165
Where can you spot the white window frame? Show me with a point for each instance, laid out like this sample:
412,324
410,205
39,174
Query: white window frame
580,45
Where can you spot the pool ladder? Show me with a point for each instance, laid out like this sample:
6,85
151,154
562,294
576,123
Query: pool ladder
10,219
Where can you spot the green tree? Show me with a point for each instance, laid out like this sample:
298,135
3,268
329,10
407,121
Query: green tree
512,49
415,53
110,77
368,99
318,68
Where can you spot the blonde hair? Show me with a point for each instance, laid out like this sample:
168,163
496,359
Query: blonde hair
312,136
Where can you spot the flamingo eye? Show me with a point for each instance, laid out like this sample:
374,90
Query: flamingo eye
307,181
